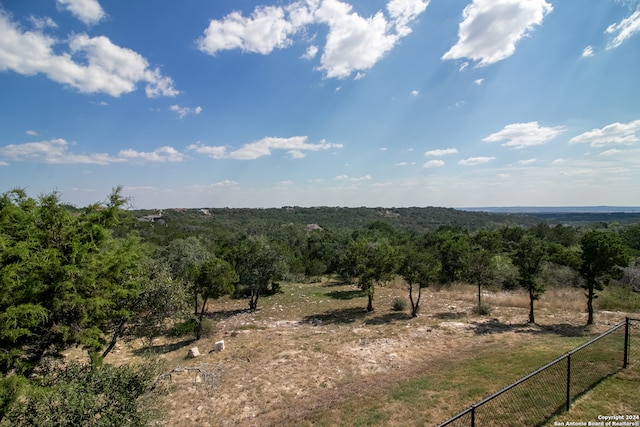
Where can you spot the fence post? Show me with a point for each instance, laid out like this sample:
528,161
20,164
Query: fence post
568,381
473,416
626,343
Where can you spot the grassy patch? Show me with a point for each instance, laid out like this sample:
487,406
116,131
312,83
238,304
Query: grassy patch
615,395
618,298
439,390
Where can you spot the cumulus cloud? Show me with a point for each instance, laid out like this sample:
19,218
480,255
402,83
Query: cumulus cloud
54,151
91,64
295,146
433,164
32,133
441,152
88,11
520,135
473,161
225,183
311,52
185,111
415,93
613,134
353,44
57,151
491,29
215,152
623,30
162,154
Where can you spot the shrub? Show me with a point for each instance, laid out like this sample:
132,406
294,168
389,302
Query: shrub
84,395
181,329
482,310
618,298
399,304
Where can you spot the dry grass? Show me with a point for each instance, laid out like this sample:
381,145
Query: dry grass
313,356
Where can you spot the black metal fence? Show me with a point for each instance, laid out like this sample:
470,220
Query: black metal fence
532,400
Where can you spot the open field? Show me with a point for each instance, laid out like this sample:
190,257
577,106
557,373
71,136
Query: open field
312,356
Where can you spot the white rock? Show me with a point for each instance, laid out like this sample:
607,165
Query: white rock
194,352
218,346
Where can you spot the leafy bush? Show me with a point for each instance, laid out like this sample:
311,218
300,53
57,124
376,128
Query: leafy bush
399,304
482,310
84,395
182,329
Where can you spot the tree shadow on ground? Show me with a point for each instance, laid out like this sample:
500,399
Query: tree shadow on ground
346,295
341,316
163,348
494,326
451,315
388,318
224,314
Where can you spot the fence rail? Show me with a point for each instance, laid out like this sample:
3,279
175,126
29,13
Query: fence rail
549,390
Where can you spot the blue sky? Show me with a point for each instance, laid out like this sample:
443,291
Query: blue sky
244,103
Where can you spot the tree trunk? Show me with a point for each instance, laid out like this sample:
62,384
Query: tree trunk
479,298
414,306
531,299
590,286
370,303
414,311
114,338
200,317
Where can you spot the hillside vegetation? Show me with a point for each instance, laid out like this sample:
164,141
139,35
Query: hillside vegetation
99,306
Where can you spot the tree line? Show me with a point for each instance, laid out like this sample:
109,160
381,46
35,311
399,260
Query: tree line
93,276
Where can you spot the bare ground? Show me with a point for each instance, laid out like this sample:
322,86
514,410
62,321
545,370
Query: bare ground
314,347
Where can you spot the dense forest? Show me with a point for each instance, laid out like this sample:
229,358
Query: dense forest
89,277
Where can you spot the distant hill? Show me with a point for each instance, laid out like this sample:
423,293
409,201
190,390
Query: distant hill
574,215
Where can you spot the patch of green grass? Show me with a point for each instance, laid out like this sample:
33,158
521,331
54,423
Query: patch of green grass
446,387
617,394
619,298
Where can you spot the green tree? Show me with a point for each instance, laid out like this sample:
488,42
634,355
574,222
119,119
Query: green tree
480,271
215,278
371,261
528,257
185,257
257,264
63,277
603,255
453,248
419,268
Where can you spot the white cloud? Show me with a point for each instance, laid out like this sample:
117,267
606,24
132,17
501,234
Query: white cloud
383,148
353,179
587,52
225,183
611,152
265,30
613,134
491,28
478,82
42,23
415,93
441,152
527,161
184,111
216,152
353,44
162,154
472,161
88,11
520,135
295,146
54,151
311,52
91,64
624,29
32,133
433,164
